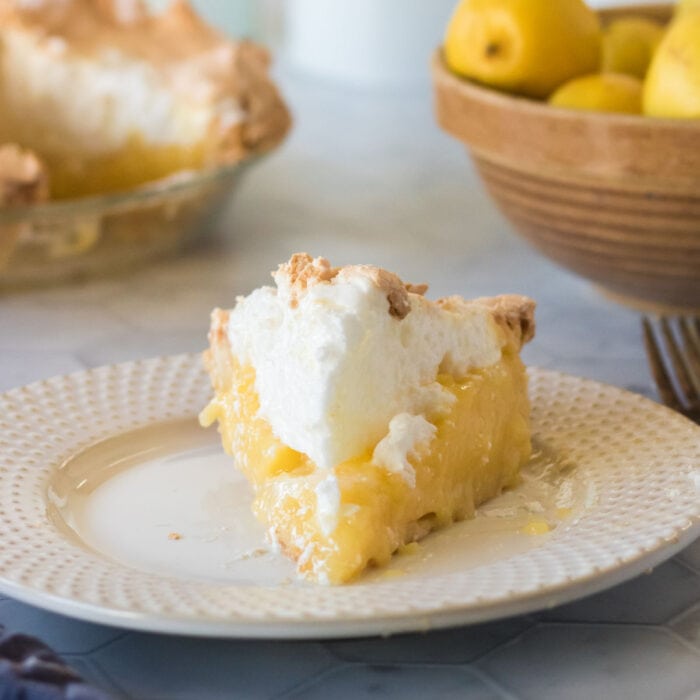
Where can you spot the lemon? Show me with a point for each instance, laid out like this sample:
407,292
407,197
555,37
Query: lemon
629,44
686,7
672,85
601,92
528,47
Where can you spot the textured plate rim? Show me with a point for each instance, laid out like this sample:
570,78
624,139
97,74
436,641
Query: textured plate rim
353,628
684,531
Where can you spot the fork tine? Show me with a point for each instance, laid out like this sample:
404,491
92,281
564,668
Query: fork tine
658,368
679,366
694,322
692,326
691,345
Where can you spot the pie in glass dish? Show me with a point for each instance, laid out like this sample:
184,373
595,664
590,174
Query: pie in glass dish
365,415
112,96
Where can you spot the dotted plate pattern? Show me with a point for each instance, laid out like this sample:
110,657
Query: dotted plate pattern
641,459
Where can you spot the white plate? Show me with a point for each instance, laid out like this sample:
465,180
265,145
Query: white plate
116,507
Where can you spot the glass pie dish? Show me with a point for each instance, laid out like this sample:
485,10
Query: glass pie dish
46,243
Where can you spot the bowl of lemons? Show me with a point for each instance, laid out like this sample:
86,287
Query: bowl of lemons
585,128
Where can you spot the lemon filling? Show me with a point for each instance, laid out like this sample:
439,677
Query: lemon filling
337,522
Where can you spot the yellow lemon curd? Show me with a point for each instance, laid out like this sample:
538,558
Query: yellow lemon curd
477,451
136,163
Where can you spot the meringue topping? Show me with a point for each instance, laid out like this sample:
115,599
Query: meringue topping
108,70
340,352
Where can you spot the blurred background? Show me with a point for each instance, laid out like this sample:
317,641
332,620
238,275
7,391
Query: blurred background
365,42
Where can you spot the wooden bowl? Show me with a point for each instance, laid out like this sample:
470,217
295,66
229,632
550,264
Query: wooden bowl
615,198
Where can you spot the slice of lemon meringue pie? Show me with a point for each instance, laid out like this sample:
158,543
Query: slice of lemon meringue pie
111,96
365,415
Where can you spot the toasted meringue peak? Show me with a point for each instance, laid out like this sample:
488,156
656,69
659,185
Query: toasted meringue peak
303,271
515,313
91,26
176,42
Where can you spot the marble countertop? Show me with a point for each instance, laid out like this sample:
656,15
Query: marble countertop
366,177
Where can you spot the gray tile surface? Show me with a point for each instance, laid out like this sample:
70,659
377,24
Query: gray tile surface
455,646
579,662
691,557
181,667
646,599
383,681
92,674
687,625
63,635
20,367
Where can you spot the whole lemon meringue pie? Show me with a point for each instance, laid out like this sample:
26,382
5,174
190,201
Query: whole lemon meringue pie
365,415
111,96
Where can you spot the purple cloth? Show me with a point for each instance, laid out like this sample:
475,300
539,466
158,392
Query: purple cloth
29,670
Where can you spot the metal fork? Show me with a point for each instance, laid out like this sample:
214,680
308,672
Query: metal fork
673,349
